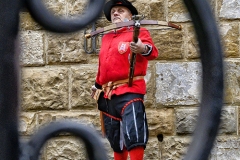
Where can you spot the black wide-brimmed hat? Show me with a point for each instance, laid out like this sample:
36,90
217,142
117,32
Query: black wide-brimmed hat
108,6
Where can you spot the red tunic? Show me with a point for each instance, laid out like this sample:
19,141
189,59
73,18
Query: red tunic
114,60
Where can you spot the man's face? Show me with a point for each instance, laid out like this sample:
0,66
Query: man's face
120,13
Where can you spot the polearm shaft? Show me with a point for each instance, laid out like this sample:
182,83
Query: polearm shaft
133,55
136,33
9,22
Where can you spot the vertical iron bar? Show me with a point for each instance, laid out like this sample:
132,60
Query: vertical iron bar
212,80
9,21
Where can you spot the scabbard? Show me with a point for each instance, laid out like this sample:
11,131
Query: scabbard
102,125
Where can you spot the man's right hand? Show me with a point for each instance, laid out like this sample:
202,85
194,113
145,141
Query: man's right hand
138,47
95,92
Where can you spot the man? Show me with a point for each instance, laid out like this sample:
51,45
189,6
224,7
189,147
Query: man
122,105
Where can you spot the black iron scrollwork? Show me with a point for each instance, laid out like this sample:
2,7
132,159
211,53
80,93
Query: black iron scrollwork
212,81
94,147
9,80
55,24
212,86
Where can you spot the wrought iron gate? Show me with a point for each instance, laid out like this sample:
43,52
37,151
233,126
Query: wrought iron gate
12,149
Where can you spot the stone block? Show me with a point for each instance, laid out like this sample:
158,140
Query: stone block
230,41
186,120
86,117
192,49
65,48
178,83
160,121
154,10
44,88
170,43
226,148
152,149
232,77
177,11
150,81
82,79
229,9
174,147
228,123
32,48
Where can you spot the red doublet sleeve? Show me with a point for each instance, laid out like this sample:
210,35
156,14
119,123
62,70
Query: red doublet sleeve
147,40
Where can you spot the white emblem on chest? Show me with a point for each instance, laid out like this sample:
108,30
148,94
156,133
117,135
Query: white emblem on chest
123,47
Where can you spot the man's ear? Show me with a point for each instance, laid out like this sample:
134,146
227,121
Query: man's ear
130,17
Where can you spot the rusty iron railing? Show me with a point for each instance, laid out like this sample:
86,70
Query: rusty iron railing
12,148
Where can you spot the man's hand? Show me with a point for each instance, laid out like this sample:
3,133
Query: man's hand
93,90
138,47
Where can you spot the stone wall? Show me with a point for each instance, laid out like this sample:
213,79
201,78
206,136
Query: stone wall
56,76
